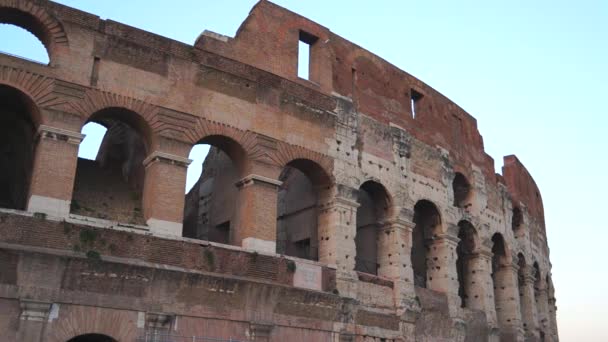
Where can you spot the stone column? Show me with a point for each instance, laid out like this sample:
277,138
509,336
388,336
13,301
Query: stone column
163,197
542,307
32,320
528,307
54,171
506,296
394,248
552,320
256,213
441,271
479,284
337,230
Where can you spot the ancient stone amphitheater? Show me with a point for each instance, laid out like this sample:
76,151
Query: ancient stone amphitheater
353,203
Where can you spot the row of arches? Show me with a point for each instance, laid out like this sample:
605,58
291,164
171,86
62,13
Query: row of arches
112,183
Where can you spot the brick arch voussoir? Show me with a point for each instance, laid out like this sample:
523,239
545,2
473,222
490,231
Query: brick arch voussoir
96,100
53,26
286,153
80,320
38,88
247,140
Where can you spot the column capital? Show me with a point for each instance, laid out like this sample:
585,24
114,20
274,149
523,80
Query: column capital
442,237
253,178
169,158
509,266
34,310
397,224
485,253
55,133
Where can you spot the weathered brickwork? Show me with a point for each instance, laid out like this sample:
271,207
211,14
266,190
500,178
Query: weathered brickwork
355,205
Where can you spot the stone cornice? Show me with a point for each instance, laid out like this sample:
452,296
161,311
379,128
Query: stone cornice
253,178
60,134
167,158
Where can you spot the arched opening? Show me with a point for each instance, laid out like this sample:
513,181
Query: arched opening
465,249
110,173
92,338
210,203
304,185
427,222
500,276
521,283
517,221
21,43
374,209
537,283
462,191
18,121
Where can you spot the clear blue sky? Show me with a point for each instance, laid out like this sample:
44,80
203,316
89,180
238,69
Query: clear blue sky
533,73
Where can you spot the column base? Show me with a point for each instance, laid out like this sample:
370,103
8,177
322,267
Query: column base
49,206
259,245
162,227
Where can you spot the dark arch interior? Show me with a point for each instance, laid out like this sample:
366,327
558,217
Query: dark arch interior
462,190
17,132
304,182
521,274
210,205
499,258
517,219
92,338
537,281
521,263
466,247
499,252
426,220
374,209
111,186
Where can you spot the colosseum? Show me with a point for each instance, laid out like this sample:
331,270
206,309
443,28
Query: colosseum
353,203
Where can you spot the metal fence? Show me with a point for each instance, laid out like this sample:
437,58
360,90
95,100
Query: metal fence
163,337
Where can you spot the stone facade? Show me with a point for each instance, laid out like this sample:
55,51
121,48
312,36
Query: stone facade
357,204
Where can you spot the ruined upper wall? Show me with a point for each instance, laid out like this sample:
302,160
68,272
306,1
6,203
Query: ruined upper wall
268,39
523,189
264,54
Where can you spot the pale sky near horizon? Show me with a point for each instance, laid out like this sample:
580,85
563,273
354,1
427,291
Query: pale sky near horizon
533,73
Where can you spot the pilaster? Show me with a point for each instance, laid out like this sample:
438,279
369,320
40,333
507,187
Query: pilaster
338,227
32,320
256,216
506,294
163,197
54,171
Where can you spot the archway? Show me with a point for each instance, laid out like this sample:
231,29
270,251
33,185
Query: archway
427,222
505,284
38,21
92,338
465,249
304,185
22,44
517,221
210,204
374,209
525,302
110,186
462,191
18,123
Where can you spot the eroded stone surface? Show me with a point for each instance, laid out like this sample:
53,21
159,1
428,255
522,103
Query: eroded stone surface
328,209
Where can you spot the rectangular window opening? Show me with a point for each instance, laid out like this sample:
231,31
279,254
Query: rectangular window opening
415,98
306,41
